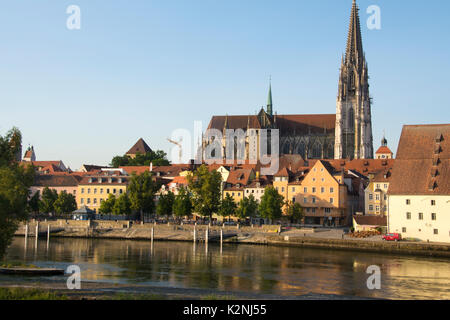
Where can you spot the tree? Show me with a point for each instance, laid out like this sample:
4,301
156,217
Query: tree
158,158
49,197
205,187
34,202
165,204
122,205
271,204
294,212
142,189
248,208
65,203
182,205
15,182
227,207
106,207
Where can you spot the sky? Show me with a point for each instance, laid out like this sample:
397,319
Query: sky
145,68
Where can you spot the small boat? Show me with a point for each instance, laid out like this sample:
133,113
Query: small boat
32,271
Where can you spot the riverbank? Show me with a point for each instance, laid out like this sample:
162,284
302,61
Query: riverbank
266,235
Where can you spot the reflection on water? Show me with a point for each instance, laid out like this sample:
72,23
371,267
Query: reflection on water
256,269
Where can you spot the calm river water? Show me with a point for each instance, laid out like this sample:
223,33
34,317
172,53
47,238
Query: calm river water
256,270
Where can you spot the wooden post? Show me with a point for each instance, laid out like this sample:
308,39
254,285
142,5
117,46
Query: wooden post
195,234
48,232
153,233
26,231
206,235
37,229
221,236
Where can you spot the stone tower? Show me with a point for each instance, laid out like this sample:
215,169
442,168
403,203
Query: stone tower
353,133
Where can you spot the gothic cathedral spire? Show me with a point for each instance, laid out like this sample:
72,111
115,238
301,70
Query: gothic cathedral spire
269,101
353,136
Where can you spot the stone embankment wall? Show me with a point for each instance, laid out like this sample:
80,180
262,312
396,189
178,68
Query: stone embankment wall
265,235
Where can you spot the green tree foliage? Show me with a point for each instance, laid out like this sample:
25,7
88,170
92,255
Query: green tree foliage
294,212
271,204
158,158
47,203
182,206
165,204
34,202
65,203
205,188
248,208
141,190
122,205
227,206
15,182
106,207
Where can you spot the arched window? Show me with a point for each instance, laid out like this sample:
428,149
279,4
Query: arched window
317,151
301,148
351,119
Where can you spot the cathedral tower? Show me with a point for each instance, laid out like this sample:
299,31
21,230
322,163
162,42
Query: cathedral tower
353,133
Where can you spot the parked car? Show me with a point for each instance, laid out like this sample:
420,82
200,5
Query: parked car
392,237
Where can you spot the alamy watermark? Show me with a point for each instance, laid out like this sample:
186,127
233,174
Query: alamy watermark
74,280
374,281
73,21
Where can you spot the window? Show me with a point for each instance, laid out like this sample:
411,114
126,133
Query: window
101,200
436,231
101,190
322,190
114,191
433,202
95,200
403,229
385,197
370,196
232,194
385,186
433,216
331,190
82,190
95,190
327,210
378,186
408,215
314,179
313,190
120,191
408,202
293,189
293,200
314,200
282,189
74,192
313,210
239,194
88,200
89,190
420,215
305,200
331,200
305,190
378,209
107,191
371,208
82,200
378,197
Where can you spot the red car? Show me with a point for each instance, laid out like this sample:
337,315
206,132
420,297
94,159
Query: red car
392,237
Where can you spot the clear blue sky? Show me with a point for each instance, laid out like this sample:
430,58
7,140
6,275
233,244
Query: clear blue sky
144,68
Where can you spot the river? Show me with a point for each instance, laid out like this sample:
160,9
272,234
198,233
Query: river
255,271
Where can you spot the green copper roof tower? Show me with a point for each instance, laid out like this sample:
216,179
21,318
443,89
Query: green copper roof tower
269,101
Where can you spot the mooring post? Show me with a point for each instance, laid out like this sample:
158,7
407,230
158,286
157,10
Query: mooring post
26,231
195,234
221,236
153,234
48,232
37,229
207,235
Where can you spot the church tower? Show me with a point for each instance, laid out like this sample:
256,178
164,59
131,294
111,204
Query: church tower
353,133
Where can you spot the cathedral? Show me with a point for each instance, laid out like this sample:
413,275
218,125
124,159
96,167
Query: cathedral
346,134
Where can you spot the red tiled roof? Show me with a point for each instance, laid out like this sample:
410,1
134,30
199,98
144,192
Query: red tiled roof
139,147
306,123
53,180
371,220
234,122
422,166
384,150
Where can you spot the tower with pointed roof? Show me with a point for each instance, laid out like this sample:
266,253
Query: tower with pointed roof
269,101
353,131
